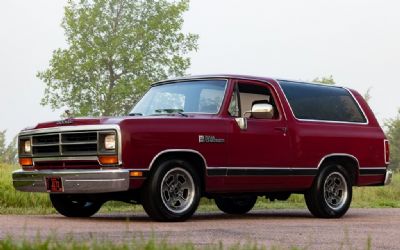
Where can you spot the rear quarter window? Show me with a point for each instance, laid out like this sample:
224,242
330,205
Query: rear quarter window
325,103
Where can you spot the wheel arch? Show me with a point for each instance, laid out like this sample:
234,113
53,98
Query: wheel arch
192,156
349,162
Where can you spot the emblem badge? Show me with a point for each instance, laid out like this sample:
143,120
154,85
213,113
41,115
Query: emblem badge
68,120
210,139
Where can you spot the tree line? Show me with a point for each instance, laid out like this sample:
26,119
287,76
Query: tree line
8,153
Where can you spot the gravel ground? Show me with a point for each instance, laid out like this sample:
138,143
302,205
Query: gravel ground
282,228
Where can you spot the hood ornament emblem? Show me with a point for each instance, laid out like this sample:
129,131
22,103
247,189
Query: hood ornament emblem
67,120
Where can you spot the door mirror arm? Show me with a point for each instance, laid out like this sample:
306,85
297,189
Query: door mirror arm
241,122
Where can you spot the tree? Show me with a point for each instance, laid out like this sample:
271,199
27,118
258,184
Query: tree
2,145
116,48
393,134
8,154
325,80
367,95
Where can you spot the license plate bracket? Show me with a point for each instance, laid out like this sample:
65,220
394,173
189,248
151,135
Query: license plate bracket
54,184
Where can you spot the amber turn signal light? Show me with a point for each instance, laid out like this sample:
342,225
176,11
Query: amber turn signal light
136,174
25,161
108,160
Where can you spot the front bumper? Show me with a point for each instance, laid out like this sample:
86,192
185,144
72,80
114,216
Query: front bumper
388,177
74,181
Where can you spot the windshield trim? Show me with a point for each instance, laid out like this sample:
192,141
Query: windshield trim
189,80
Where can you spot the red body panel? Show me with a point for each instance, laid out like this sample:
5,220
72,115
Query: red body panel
286,144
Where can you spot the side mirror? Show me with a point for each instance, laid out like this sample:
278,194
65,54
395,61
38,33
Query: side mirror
262,111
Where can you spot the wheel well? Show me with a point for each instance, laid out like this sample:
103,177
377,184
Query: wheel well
350,164
195,159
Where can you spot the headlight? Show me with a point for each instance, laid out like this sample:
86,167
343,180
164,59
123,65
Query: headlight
109,142
26,146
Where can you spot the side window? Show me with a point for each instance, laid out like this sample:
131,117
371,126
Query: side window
246,95
315,102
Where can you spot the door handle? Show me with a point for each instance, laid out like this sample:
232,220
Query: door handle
282,129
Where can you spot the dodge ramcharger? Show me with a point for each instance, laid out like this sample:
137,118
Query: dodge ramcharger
225,137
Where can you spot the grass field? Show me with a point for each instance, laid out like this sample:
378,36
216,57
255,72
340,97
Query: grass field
14,202
53,243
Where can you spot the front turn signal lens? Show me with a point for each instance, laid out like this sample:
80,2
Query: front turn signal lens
108,160
136,174
26,161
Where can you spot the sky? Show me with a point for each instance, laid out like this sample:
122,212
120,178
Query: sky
355,41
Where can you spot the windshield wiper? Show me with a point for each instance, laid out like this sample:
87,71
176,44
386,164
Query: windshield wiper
135,114
170,112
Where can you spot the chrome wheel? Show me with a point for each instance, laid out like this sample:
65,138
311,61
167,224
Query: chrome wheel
177,190
335,190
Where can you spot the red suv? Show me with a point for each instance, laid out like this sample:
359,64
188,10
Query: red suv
229,138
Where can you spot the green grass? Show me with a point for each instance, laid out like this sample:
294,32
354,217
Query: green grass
15,202
53,243
151,244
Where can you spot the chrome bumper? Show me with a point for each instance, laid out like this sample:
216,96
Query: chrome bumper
73,181
388,177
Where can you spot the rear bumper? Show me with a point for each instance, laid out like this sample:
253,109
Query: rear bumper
388,177
74,181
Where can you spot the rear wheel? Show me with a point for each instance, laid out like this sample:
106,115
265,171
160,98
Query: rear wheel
74,206
172,193
235,205
331,193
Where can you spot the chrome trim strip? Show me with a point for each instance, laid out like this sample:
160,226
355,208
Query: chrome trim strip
98,180
83,128
335,122
176,151
359,106
74,181
70,158
339,154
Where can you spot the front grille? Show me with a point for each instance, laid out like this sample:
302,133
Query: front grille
79,137
46,139
67,144
76,148
37,150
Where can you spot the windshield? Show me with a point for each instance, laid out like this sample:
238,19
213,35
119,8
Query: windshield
202,96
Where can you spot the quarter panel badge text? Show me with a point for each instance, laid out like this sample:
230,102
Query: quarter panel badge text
210,139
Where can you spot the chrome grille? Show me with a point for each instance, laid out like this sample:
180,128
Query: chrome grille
67,143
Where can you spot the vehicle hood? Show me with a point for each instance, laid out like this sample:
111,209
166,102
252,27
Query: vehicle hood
78,122
107,121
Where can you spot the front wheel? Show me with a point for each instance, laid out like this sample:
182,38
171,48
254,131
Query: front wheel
74,206
235,205
331,193
172,193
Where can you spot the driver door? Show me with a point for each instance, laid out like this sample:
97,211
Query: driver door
259,157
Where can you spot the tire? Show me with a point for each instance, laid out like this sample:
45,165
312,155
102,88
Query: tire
74,206
235,205
172,193
331,193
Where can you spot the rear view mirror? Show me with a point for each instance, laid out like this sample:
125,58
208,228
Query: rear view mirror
262,111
